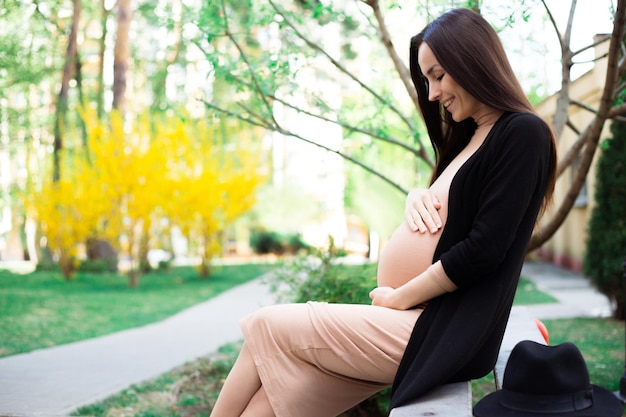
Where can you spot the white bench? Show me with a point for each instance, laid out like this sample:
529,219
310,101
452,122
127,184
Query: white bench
455,400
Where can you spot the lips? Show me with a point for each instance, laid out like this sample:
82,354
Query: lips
447,103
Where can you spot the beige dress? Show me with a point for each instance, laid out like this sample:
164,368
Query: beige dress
319,359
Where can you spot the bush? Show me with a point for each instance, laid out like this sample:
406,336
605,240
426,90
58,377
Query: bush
98,266
264,242
45,265
294,244
606,242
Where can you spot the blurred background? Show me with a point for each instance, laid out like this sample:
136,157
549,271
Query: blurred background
138,132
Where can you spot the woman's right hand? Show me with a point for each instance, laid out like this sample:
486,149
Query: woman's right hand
422,211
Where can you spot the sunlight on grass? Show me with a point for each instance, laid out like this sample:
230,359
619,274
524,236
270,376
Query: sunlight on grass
40,309
601,341
527,293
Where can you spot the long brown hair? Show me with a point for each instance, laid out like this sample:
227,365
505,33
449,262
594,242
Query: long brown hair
470,51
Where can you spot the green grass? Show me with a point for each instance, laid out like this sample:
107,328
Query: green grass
527,293
601,341
41,309
191,390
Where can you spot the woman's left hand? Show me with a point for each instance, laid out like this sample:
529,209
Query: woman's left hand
382,296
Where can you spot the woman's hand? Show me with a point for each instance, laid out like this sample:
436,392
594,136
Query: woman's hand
422,211
383,297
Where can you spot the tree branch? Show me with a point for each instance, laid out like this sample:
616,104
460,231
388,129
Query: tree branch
593,45
278,129
592,132
343,69
257,85
562,103
618,111
573,152
573,128
419,152
584,106
385,37
553,21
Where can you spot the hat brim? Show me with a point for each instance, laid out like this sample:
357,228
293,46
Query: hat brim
605,404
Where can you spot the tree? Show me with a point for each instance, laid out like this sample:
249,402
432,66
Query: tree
589,136
69,210
55,55
244,51
69,70
606,243
213,183
122,53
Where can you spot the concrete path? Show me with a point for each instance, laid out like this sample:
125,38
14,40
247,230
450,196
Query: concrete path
574,293
54,382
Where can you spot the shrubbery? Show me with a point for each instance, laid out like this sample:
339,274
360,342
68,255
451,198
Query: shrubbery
264,242
606,242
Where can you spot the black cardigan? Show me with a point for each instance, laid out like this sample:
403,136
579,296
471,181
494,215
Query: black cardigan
494,200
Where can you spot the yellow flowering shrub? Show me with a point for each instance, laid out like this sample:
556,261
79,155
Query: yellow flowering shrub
213,183
135,176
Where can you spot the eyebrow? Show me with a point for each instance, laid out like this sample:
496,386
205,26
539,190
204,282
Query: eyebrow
431,70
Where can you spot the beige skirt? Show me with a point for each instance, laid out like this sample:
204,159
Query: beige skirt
319,359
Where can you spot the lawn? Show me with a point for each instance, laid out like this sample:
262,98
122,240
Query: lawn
601,341
191,390
40,309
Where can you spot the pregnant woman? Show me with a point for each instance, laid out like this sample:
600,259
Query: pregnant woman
447,277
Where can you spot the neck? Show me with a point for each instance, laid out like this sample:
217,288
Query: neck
486,119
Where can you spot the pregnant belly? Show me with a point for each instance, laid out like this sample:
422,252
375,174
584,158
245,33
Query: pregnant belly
406,255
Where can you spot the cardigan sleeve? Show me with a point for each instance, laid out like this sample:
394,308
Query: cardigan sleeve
507,174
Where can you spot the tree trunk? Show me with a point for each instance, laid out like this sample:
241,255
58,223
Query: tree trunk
122,54
102,48
68,72
160,79
615,70
144,247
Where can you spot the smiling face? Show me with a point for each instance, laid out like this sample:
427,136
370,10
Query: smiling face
442,87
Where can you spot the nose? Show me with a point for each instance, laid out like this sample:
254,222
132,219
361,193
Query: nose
433,92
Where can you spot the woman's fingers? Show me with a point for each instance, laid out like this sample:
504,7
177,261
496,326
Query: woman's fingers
415,222
433,220
422,211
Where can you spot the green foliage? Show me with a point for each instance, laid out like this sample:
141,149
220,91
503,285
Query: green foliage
606,242
265,242
189,390
601,341
319,276
527,293
97,266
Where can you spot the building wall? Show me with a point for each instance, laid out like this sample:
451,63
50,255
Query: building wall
566,248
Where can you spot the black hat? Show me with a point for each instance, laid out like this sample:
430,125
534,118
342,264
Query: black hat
550,381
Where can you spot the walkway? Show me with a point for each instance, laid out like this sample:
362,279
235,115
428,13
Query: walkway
575,296
54,382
